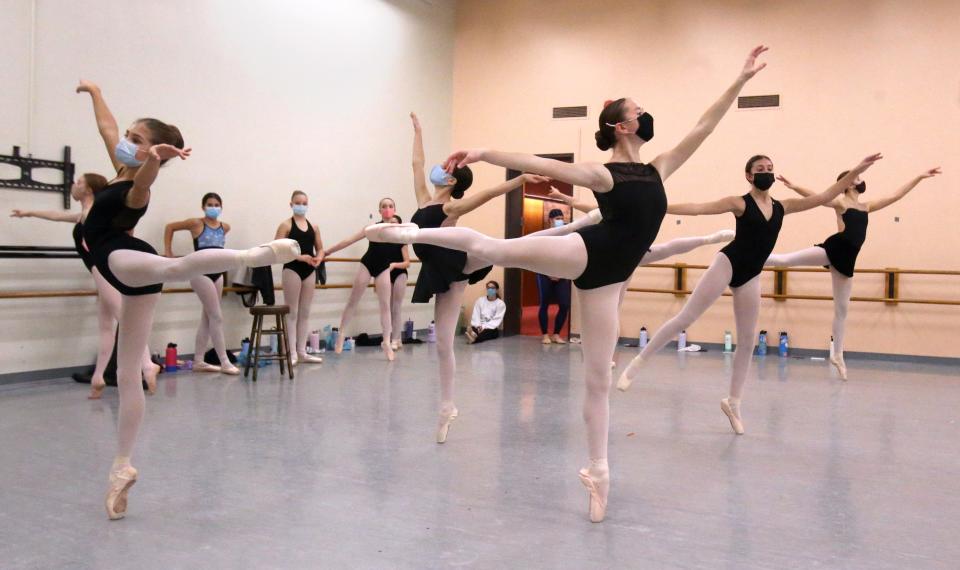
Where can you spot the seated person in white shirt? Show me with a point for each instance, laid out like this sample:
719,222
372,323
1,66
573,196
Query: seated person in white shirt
488,314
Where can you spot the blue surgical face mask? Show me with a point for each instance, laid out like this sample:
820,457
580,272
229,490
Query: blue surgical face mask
212,212
557,222
300,209
491,292
126,153
439,176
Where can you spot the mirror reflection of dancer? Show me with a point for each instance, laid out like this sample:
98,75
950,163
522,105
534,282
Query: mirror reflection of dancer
386,264
108,298
133,267
444,272
738,266
207,232
599,258
299,276
839,251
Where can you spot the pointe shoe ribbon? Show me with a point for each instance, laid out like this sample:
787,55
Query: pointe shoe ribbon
391,233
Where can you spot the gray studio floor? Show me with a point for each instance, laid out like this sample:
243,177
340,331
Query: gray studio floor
339,470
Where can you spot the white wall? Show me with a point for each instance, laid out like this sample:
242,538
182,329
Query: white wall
272,96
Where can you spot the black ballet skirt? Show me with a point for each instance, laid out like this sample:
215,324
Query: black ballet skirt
439,266
843,247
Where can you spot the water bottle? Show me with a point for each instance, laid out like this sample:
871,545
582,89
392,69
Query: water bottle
315,341
784,344
831,347
682,341
644,339
727,341
408,329
170,358
274,344
244,351
432,332
762,344
348,344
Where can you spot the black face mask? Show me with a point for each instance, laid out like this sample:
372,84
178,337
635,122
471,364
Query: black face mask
645,126
763,180
861,188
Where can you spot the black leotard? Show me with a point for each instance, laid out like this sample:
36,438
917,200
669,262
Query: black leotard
81,249
632,212
211,238
379,256
843,247
105,231
308,241
439,266
754,241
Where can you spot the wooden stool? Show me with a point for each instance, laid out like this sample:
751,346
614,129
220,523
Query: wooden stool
257,331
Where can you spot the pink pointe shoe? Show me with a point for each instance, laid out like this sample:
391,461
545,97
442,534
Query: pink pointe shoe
732,410
392,233
443,424
596,478
121,480
274,252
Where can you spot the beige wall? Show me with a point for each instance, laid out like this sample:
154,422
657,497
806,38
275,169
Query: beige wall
854,77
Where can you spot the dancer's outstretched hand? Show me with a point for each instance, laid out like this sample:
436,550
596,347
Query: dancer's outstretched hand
416,121
462,158
786,182
750,67
87,86
20,214
867,163
930,173
558,195
168,151
529,178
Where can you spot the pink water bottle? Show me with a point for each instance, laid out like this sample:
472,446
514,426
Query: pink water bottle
170,359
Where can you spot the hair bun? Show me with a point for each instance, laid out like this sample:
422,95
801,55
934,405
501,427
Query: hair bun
602,142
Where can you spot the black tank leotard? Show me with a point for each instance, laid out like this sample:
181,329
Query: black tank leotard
843,247
308,241
754,241
211,238
379,256
81,249
632,213
105,231
439,266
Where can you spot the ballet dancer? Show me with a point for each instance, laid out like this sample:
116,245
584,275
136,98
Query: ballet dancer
445,272
299,276
207,232
108,298
738,265
133,267
839,251
599,258
385,263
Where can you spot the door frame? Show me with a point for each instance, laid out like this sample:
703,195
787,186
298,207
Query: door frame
513,228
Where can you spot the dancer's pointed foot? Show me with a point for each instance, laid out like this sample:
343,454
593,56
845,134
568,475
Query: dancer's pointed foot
150,377
276,251
629,373
840,365
388,350
229,369
392,233
721,236
396,344
121,479
338,345
202,366
596,478
443,423
96,389
557,339
546,339
731,407
308,358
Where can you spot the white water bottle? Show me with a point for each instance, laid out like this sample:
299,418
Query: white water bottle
727,341
831,347
643,338
682,341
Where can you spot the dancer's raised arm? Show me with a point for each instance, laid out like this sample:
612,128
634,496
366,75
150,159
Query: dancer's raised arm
139,195
106,123
729,205
874,205
668,162
419,163
474,200
51,215
795,205
193,225
587,174
581,205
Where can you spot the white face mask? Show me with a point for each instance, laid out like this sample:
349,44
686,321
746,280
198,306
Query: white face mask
557,222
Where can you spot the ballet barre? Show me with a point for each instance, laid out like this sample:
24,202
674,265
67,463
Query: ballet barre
891,284
166,290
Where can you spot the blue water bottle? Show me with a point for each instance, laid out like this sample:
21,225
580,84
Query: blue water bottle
727,341
784,344
762,344
432,332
